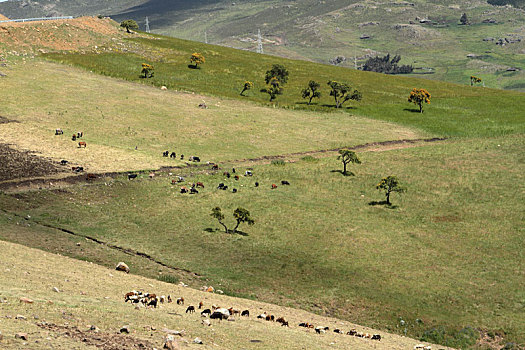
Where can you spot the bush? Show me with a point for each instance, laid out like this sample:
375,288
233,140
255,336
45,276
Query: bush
386,65
168,279
279,162
309,159
462,339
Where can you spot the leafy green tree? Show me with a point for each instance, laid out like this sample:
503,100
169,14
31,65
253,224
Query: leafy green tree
278,72
240,215
342,92
474,80
346,156
464,20
129,24
418,97
216,213
247,86
390,184
197,58
274,88
147,70
311,91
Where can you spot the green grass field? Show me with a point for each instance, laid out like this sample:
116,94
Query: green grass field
448,253
455,110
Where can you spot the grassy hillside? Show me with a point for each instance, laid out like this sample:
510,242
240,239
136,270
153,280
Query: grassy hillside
93,295
448,254
320,31
455,110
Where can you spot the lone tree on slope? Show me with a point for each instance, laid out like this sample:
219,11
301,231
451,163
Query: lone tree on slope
240,215
390,184
311,91
464,20
129,24
474,80
247,86
418,97
346,156
147,70
196,59
278,72
342,92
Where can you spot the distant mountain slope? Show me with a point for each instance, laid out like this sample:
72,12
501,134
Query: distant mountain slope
425,33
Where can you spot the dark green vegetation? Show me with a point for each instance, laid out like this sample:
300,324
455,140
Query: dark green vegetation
320,31
455,110
450,254
387,65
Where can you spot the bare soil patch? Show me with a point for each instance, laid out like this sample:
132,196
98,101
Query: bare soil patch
17,164
100,340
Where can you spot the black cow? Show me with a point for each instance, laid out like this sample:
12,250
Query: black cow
166,153
221,185
132,176
206,312
153,302
225,188
218,315
245,313
284,182
190,309
256,184
173,155
63,162
195,159
193,190
376,336
234,190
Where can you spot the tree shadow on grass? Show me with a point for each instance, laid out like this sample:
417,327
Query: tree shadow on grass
384,203
211,230
413,110
348,173
192,66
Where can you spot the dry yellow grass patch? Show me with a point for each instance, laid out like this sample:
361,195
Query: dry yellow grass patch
93,295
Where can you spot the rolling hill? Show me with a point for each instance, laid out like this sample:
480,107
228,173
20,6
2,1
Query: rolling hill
442,264
426,34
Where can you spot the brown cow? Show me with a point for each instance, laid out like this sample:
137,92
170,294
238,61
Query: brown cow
82,144
274,186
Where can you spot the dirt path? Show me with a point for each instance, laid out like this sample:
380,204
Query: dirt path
49,180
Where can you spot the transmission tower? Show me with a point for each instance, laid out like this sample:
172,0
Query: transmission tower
259,42
147,25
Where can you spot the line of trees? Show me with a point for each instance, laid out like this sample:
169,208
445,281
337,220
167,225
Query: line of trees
387,65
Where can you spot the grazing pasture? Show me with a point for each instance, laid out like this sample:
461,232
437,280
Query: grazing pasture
447,252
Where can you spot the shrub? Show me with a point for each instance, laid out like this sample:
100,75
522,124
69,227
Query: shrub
168,279
310,159
279,162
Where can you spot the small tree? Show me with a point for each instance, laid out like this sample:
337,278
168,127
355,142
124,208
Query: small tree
242,215
274,88
129,24
346,156
474,80
197,58
464,20
390,184
147,70
312,91
278,72
216,213
342,92
418,97
247,86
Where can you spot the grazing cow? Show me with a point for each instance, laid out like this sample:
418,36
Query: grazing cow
91,176
225,188
256,184
193,190
201,304
180,179
303,324
165,153
74,137
236,177
215,167
59,131
77,169
132,176
82,144
280,320
183,189
199,184
173,155
182,157
221,185
206,312
169,299
270,318
359,334
320,329
284,182
194,159
233,170
376,337
80,134
190,309
338,331
274,186
152,302
227,174
218,315
180,301
245,313
285,324
262,316
248,173
352,332
63,162
234,190
234,312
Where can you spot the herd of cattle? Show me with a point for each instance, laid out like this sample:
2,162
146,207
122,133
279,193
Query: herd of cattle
151,300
